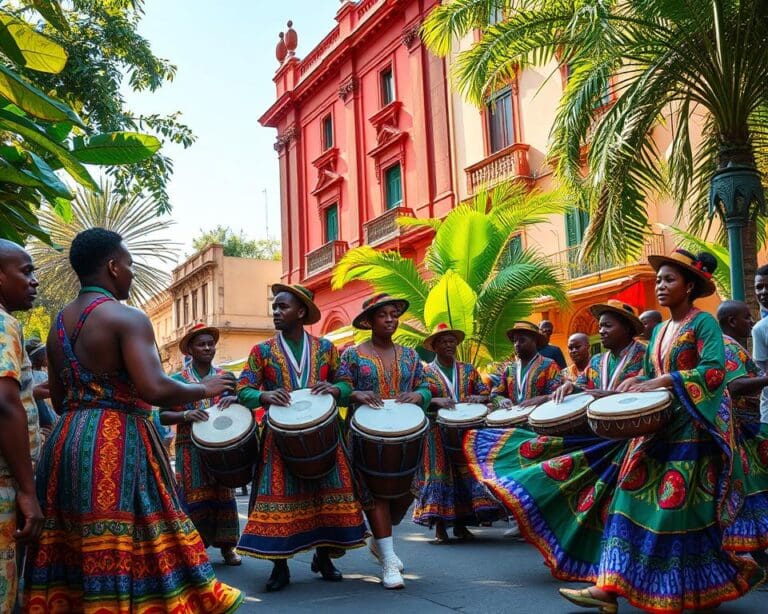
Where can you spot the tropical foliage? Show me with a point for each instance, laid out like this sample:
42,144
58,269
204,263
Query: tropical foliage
475,276
694,244
237,244
134,217
665,62
44,140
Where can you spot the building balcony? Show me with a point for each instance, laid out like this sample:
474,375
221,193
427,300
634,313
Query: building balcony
574,267
508,163
385,227
324,257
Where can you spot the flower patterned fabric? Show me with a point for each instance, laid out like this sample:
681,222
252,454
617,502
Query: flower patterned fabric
738,364
602,372
116,538
542,376
290,514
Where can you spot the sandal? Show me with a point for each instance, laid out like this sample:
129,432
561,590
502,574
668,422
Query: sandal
586,599
231,557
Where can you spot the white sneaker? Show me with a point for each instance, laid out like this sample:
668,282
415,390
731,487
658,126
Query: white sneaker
390,574
373,547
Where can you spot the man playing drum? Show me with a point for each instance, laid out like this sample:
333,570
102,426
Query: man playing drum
370,372
211,506
448,492
291,514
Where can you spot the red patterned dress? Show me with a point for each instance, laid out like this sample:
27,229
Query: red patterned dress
290,514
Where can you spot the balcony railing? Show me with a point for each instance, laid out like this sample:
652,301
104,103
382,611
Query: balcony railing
385,227
574,267
325,256
508,163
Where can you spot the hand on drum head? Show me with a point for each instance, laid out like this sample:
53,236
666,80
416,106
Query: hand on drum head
197,415
366,397
627,384
599,394
444,403
665,381
216,385
276,397
535,401
409,397
562,391
326,388
226,401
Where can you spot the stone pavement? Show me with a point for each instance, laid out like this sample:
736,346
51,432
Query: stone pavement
490,574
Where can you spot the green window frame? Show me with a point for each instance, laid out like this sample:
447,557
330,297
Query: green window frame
387,84
332,223
393,187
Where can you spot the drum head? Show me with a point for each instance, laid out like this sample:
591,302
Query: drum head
629,404
553,413
392,420
224,426
306,409
510,415
463,412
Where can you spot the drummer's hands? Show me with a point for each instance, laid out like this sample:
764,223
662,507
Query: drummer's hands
326,388
197,415
444,403
535,401
276,397
366,397
477,398
217,385
562,391
410,397
226,401
627,384
652,384
599,394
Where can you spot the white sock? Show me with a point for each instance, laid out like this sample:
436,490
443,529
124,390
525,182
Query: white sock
386,547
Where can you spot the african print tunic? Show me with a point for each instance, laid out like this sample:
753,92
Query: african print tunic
447,491
116,538
211,506
541,376
606,370
571,373
292,514
738,364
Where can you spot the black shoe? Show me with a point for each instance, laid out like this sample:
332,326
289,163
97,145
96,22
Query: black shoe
280,577
321,563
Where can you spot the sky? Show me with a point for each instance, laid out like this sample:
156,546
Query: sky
225,54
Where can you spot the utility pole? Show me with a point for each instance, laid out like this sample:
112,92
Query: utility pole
266,212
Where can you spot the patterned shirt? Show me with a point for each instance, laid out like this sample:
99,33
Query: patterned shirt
606,371
540,377
738,364
15,364
464,382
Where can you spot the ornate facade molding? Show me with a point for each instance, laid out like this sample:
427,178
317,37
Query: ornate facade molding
410,36
348,87
283,140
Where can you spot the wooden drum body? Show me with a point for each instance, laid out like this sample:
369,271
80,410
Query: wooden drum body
387,446
514,416
454,423
306,433
630,414
558,419
228,443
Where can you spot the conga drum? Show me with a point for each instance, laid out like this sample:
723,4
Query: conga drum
453,423
508,417
630,414
566,418
228,443
306,433
387,446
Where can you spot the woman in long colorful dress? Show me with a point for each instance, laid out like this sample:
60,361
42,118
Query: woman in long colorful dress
211,506
448,494
374,370
116,538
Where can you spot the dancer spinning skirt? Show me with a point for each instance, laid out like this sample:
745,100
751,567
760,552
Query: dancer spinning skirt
211,506
448,494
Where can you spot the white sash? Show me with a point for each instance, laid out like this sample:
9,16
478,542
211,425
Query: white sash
610,383
451,385
523,381
299,369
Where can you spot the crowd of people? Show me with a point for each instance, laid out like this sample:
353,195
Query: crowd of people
673,520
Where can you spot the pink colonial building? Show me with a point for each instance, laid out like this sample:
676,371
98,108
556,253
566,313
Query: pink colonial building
363,136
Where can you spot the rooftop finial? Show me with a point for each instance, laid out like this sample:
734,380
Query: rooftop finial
291,40
280,50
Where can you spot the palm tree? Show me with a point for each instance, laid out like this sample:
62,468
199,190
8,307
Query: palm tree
475,276
133,217
667,61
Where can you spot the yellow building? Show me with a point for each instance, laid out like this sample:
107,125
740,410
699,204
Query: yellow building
230,293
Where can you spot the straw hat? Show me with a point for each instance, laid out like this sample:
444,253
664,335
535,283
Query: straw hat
686,260
305,295
370,305
195,330
442,329
623,310
34,346
527,327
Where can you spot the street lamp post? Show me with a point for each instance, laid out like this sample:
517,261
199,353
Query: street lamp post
732,192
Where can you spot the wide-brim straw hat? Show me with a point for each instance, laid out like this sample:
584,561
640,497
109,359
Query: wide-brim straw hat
305,295
34,346
685,260
194,331
362,320
623,310
530,328
442,329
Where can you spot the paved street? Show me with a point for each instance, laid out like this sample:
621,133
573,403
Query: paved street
492,574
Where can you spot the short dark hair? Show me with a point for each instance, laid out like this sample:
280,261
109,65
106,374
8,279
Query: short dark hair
762,270
91,248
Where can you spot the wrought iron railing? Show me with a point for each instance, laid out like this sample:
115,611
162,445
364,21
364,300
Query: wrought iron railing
325,256
385,226
505,164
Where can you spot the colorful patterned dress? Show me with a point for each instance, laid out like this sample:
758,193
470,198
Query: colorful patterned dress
290,514
606,371
540,377
115,537
211,507
646,518
447,491
359,371
738,364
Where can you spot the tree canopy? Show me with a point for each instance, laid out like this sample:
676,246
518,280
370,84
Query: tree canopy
237,245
